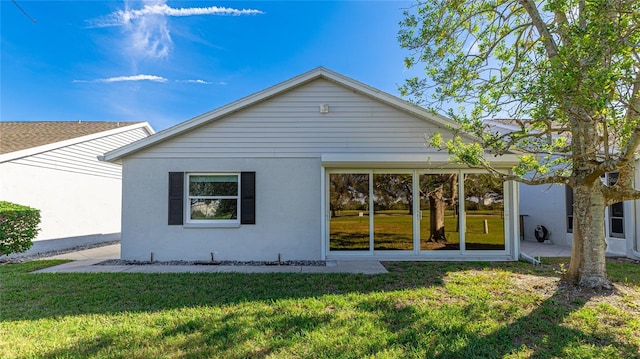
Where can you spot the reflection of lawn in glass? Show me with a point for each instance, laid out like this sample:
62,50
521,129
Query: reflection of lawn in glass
393,230
476,239
349,231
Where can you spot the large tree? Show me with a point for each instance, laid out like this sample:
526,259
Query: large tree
565,72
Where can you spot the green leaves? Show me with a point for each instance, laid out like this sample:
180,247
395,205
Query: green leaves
18,227
494,56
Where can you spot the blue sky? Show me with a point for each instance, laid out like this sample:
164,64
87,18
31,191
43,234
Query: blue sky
167,61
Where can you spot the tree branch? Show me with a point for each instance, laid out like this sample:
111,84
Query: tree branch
547,38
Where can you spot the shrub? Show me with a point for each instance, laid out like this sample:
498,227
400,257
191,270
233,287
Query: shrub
18,227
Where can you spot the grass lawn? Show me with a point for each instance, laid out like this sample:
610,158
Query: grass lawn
418,310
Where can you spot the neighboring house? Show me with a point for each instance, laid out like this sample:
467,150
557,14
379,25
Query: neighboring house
551,206
317,167
53,166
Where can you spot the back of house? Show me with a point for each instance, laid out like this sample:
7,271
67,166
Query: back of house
317,167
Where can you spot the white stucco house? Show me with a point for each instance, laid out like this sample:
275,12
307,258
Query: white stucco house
53,166
317,167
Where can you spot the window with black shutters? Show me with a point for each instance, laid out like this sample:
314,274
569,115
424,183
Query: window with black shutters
212,198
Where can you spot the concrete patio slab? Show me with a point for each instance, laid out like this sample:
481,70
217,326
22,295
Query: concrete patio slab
362,267
102,253
85,260
536,249
82,266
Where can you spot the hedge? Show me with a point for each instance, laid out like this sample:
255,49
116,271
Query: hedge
18,227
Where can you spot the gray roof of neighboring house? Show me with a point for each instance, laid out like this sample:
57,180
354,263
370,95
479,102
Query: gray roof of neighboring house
17,136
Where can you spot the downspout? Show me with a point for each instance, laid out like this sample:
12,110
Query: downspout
530,259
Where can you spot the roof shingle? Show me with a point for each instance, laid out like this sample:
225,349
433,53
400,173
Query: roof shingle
16,136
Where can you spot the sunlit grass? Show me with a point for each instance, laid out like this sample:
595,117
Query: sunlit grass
418,310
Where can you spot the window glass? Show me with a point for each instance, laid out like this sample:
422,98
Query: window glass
393,212
213,197
203,209
439,216
484,212
213,185
349,206
569,206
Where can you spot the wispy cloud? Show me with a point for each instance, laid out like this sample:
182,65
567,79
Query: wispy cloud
124,17
152,78
146,30
202,82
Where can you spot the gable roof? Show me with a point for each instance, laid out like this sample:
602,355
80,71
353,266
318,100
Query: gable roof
20,139
318,73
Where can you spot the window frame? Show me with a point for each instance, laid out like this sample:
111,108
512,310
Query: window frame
568,200
610,179
212,222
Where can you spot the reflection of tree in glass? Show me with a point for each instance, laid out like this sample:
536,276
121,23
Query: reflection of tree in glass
348,191
483,191
214,209
393,191
213,189
441,191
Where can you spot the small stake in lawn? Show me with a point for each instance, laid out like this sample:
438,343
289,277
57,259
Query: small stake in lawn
486,226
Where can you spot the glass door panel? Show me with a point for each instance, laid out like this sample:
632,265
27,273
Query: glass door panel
484,212
393,212
440,220
349,206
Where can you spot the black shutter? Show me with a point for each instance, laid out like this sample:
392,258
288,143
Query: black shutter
176,198
248,198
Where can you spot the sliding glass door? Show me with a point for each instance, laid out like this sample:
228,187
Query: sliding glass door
349,212
415,212
439,214
392,211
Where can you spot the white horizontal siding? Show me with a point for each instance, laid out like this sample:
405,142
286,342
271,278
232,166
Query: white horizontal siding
82,157
291,125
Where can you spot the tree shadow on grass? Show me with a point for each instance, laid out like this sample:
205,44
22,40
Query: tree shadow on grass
229,336
542,333
51,295
449,331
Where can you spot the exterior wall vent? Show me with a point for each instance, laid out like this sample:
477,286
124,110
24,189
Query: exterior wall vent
324,108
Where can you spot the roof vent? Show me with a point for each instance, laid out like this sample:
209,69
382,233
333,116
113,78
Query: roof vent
324,108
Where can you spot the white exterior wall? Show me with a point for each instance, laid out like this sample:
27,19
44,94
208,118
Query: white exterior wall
283,140
287,212
545,205
291,125
79,198
70,204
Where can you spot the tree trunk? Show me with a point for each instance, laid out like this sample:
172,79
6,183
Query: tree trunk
437,206
588,262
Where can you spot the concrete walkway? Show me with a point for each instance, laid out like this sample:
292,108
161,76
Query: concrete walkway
536,249
84,262
101,253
